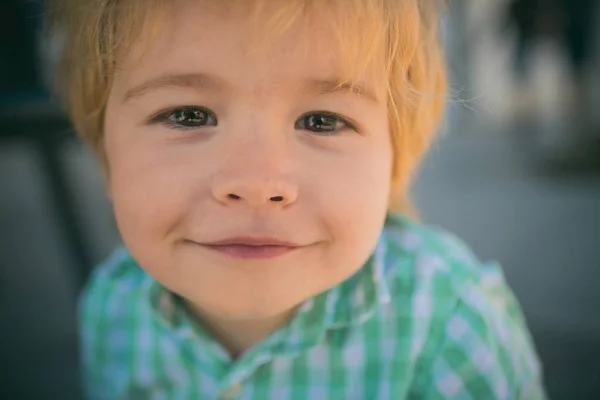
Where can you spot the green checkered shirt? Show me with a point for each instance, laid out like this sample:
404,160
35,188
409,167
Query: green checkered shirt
423,319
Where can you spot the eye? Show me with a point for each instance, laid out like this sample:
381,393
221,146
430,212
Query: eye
186,118
323,122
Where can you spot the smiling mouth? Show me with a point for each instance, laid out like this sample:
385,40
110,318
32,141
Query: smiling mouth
245,251
252,248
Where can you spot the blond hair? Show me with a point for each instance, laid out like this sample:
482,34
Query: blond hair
404,33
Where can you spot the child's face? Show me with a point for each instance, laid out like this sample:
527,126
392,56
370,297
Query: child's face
255,155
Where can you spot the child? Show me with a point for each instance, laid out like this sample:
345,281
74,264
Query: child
254,152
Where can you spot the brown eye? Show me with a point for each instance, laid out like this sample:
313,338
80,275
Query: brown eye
322,123
185,118
192,117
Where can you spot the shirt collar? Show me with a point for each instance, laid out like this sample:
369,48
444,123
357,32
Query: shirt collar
354,300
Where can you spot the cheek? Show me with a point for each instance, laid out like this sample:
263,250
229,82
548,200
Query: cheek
359,181
150,195
353,200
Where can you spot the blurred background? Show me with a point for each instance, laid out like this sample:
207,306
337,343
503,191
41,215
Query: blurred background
515,173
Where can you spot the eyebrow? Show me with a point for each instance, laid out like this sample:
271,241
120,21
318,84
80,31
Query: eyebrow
321,87
196,81
203,81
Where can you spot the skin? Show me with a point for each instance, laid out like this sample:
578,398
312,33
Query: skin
255,159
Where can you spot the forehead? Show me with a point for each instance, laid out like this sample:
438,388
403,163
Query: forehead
242,45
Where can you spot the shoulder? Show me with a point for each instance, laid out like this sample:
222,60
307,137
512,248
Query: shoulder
111,312
428,262
119,270
116,279
433,252
475,334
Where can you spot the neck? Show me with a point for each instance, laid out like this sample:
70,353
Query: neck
238,336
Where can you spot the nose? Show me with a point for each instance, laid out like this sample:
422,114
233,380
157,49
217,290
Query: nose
257,177
256,191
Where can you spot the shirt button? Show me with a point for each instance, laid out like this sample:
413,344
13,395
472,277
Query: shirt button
232,392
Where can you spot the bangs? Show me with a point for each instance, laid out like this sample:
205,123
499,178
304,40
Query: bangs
369,32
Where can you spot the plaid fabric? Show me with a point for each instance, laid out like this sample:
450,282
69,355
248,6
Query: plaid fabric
423,319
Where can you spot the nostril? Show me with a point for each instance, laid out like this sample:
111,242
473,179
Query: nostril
277,198
234,196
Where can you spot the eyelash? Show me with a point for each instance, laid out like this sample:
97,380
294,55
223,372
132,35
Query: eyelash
165,118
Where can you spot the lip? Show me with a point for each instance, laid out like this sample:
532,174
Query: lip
252,247
252,241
